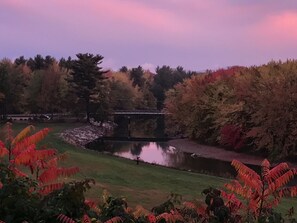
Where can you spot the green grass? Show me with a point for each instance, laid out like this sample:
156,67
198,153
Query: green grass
143,184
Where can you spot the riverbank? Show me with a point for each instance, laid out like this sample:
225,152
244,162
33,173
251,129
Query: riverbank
190,146
83,135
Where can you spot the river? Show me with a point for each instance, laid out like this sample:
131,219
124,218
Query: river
157,151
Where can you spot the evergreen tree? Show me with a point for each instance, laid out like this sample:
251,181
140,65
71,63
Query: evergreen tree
86,77
38,63
136,76
48,61
20,61
123,69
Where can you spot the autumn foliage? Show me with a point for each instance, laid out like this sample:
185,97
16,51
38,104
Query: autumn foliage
240,108
24,161
262,192
21,151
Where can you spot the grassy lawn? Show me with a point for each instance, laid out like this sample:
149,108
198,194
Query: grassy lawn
143,184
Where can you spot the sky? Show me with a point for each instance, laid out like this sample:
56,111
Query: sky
195,34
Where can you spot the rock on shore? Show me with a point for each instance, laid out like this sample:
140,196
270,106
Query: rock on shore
83,135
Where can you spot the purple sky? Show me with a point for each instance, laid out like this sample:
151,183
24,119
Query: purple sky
196,34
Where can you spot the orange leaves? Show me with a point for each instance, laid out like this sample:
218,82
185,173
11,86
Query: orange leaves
86,219
249,181
232,203
48,175
90,203
37,137
171,217
25,132
279,176
54,161
259,190
265,168
241,168
284,179
33,139
65,219
50,188
53,173
3,150
25,156
68,171
277,171
253,107
237,188
43,163
288,192
44,154
189,205
9,132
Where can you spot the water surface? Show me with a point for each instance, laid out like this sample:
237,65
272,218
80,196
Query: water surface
162,154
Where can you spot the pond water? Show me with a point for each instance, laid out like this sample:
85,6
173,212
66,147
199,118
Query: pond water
161,153
154,151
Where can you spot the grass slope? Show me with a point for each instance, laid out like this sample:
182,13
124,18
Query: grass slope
143,184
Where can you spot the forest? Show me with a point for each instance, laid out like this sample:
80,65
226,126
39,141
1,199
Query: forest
240,108
43,85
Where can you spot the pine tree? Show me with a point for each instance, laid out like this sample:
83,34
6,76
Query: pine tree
86,77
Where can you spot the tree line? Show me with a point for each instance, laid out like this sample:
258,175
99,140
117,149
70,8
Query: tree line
75,85
241,108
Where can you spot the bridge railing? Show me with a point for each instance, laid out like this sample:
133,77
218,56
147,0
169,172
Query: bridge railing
138,112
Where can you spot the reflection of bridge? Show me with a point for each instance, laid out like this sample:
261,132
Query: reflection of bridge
138,112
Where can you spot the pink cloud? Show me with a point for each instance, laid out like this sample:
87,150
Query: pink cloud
125,17
144,15
276,30
154,31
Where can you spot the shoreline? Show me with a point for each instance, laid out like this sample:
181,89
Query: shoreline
213,152
80,136
85,134
190,146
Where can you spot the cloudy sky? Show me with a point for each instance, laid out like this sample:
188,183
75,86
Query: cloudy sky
196,34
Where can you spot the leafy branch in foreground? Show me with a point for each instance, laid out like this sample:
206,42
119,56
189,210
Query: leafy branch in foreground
35,194
22,151
265,191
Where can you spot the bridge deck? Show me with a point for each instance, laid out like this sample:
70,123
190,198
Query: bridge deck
138,113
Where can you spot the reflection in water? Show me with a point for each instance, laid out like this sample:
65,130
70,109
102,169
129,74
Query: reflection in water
139,127
163,154
137,148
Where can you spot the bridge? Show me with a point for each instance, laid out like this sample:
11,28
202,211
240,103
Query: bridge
54,116
138,112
